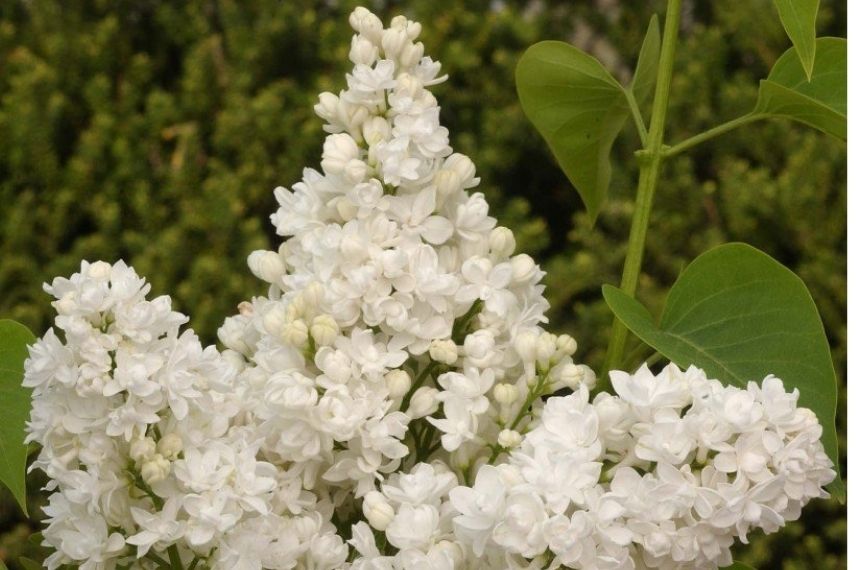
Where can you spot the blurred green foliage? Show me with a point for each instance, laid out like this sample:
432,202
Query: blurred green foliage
155,132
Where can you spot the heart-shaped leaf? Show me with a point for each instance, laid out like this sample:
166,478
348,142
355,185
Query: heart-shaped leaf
14,338
798,17
579,108
821,102
645,76
740,315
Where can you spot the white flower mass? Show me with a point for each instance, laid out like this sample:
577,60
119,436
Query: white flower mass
389,404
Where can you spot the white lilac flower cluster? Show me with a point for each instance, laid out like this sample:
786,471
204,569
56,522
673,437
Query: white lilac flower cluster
388,404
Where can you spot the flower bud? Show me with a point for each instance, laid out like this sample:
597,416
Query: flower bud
296,333
443,351
312,296
296,309
502,242
393,42
356,171
324,330
523,268
155,469
170,446
447,182
509,438
464,168
100,271
589,377
411,54
339,149
274,319
66,304
378,512
526,344
266,265
546,347
375,130
424,403
364,22
398,382
362,51
505,394
328,107
566,345
571,375
345,208
142,449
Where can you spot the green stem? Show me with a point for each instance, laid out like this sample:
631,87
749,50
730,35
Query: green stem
174,558
714,132
637,116
158,560
650,159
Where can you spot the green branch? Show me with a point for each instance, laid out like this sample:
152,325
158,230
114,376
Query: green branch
650,159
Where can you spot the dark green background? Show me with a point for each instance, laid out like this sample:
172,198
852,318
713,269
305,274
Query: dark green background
156,131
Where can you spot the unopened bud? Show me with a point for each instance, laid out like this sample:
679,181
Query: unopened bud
339,149
424,402
523,268
566,345
346,209
509,438
505,394
266,265
398,383
378,512
589,377
356,171
66,304
502,242
155,469
296,333
142,449
324,330
526,344
170,446
375,130
327,107
571,376
363,51
274,319
463,167
443,351
411,54
447,182
546,347
364,22
100,271
393,41
313,295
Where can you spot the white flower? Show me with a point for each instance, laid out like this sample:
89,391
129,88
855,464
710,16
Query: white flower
157,530
413,526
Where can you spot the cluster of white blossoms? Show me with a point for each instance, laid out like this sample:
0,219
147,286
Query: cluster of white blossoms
389,403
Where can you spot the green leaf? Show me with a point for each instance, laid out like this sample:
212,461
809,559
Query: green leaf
3,565
821,103
29,564
645,76
740,315
15,402
738,566
579,108
798,18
